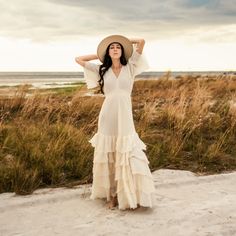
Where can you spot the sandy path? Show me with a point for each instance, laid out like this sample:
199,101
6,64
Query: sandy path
186,205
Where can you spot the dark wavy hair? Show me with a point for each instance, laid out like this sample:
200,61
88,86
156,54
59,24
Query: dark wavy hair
107,62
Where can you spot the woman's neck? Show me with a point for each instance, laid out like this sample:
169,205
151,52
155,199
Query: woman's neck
116,64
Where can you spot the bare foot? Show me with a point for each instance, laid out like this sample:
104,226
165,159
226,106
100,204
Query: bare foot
133,209
112,203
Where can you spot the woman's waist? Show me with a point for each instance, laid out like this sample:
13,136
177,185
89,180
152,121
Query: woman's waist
118,92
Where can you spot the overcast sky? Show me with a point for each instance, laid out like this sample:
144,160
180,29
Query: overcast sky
46,35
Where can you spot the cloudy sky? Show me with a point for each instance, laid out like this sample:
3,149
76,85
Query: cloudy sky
46,35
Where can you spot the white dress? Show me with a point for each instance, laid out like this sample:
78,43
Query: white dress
116,137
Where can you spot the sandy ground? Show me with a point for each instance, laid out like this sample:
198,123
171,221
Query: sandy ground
186,204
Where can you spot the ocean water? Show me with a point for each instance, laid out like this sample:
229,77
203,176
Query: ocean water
63,79
40,79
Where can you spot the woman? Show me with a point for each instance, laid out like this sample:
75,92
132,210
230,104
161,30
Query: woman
120,167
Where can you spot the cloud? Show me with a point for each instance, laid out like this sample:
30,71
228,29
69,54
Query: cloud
49,20
201,3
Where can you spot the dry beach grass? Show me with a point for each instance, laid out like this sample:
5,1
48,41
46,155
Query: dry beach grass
188,123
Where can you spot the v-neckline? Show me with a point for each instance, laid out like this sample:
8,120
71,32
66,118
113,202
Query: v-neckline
116,77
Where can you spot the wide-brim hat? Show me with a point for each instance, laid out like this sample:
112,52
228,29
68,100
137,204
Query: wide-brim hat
125,42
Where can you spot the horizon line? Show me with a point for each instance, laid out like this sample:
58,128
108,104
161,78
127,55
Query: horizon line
72,71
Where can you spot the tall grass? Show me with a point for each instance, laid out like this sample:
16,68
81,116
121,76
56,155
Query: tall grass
187,123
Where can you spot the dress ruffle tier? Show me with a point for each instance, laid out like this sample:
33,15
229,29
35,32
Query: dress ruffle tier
135,183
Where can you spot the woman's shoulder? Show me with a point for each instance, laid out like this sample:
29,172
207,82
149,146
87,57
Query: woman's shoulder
92,66
137,63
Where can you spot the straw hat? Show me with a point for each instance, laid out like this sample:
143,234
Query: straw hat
125,42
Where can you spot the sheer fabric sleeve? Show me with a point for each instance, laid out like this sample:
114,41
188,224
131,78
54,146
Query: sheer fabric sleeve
91,74
138,63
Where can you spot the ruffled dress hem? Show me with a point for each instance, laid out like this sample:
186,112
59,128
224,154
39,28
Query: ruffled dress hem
134,180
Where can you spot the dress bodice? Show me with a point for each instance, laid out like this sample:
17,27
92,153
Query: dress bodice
136,64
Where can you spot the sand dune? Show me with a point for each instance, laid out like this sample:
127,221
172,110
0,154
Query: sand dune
186,204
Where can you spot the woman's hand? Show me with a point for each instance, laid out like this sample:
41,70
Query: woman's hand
82,59
140,44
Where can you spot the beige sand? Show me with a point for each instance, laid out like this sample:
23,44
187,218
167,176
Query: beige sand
186,205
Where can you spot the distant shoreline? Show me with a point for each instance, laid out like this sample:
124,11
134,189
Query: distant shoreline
80,73
58,79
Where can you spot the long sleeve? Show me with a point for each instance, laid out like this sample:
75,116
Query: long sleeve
91,74
138,63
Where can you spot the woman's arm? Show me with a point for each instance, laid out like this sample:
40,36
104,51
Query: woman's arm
140,44
82,59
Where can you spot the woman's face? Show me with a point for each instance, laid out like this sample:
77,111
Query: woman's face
115,50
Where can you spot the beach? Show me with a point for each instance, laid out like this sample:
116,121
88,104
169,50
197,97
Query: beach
188,124
186,204
155,84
